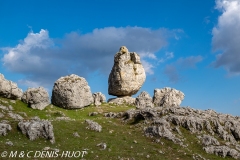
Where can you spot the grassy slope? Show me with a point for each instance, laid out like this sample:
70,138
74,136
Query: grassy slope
120,137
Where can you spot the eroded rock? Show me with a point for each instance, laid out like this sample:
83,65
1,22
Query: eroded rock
208,140
4,129
127,75
9,89
37,128
98,98
71,92
167,97
166,122
144,100
222,151
122,100
93,125
36,98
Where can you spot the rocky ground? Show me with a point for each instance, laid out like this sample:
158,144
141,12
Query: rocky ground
111,131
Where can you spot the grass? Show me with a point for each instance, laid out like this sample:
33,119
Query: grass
124,140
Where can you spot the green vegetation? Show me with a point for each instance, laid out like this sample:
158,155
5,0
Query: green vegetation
124,140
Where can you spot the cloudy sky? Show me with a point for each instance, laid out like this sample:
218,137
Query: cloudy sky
192,46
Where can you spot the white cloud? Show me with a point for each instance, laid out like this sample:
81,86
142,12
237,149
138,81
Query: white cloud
148,67
168,55
43,59
28,83
226,36
150,55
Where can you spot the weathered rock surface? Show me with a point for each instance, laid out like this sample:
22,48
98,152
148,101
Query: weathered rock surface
93,125
166,121
113,114
15,116
36,98
102,145
9,143
122,100
127,75
208,140
9,89
4,129
37,128
144,100
161,128
167,97
222,151
98,98
71,92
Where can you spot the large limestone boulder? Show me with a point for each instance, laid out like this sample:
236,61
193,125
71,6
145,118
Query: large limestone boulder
71,92
9,89
144,100
167,97
127,75
36,98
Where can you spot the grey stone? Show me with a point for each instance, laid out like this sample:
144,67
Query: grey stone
37,128
208,140
4,129
98,98
36,98
71,92
161,129
122,100
110,114
75,134
9,89
93,125
93,113
9,143
222,151
102,145
63,119
144,100
4,108
1,115
167,97
127,75
15,116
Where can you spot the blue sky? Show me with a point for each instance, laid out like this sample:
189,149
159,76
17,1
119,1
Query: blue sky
189,45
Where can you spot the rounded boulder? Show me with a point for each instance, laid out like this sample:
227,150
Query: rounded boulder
71,92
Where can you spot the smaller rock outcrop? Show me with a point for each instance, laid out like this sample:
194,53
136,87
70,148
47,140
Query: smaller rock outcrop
37,128
222,151
4,128
144,100
208,140
122,100
93,125
98,98
9,89
71,92
102,145
161,128
36,98
167,97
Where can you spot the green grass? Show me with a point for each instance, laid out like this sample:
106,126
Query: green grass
124,140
